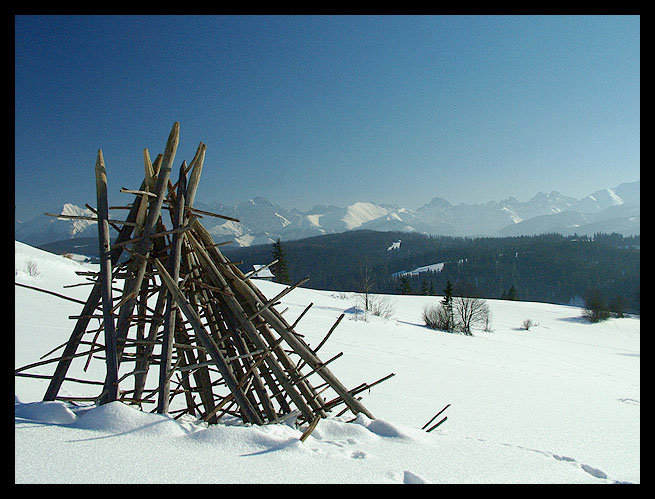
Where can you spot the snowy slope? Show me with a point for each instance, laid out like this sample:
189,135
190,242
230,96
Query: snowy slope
559,403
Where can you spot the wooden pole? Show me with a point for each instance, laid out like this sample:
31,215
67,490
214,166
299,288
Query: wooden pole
143,245
111,380
87,310
217,357
171,308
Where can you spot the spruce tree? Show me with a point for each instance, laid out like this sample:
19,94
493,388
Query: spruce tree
447,303
280,269
404,286
512,294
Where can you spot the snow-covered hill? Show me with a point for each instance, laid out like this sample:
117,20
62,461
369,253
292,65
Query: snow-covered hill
559,403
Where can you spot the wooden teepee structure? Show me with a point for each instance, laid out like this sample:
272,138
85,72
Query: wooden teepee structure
211,332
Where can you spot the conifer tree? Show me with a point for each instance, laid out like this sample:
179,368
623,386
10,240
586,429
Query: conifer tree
447,303
404,286
512,294
281,268
424,288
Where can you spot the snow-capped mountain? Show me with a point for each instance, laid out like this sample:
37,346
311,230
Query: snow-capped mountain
262,222
45,229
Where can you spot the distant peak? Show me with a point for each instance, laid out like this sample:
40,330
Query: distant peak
71,209
439,203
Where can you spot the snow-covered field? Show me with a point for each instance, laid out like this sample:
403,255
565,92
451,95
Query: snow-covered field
559,403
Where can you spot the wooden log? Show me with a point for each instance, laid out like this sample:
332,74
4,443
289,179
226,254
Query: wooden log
157,234
301,316
50,293
274,300
92,219
334,326
73,380
195,295
143,246
297,379
171,309
434,417
57,359
215,354
364,386
437,425
258,384
149,172
184,380
310,429
141,342
138,192
240,315
304,352
93,344
89,307
196,211
105,278
194,179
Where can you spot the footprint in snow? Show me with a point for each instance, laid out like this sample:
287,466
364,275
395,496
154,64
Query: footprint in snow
593,471
412,478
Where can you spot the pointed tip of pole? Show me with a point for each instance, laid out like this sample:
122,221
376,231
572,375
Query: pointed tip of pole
100,160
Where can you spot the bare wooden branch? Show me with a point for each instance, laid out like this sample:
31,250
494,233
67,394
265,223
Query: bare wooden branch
50,293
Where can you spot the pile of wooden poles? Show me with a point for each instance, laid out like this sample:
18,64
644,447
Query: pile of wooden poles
218,345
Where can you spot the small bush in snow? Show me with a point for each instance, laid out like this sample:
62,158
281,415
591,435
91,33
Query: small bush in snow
470,312
527,324
436,317
467,313
595,309
32,268
378,305
487,322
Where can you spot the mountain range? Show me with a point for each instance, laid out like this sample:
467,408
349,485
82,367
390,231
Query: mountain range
262,222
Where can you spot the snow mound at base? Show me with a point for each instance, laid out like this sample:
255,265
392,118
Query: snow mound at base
45,412
116,417
383,428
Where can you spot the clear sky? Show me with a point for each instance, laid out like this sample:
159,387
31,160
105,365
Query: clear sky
328,110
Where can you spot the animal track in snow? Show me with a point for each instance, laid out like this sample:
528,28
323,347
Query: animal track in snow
412,478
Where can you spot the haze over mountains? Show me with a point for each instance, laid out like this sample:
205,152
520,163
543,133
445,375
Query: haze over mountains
261,221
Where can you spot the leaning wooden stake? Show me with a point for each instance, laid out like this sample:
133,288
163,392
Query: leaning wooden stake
111,381
206,341
87,311
171,308
143,245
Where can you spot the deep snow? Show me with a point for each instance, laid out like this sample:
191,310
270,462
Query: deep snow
559,403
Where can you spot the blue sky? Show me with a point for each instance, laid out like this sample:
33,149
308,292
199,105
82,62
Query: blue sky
329,110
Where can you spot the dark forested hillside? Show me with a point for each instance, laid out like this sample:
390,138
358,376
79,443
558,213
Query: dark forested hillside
548,268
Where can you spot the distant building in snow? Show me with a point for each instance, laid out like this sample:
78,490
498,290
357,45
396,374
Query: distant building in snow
264,273
395,245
